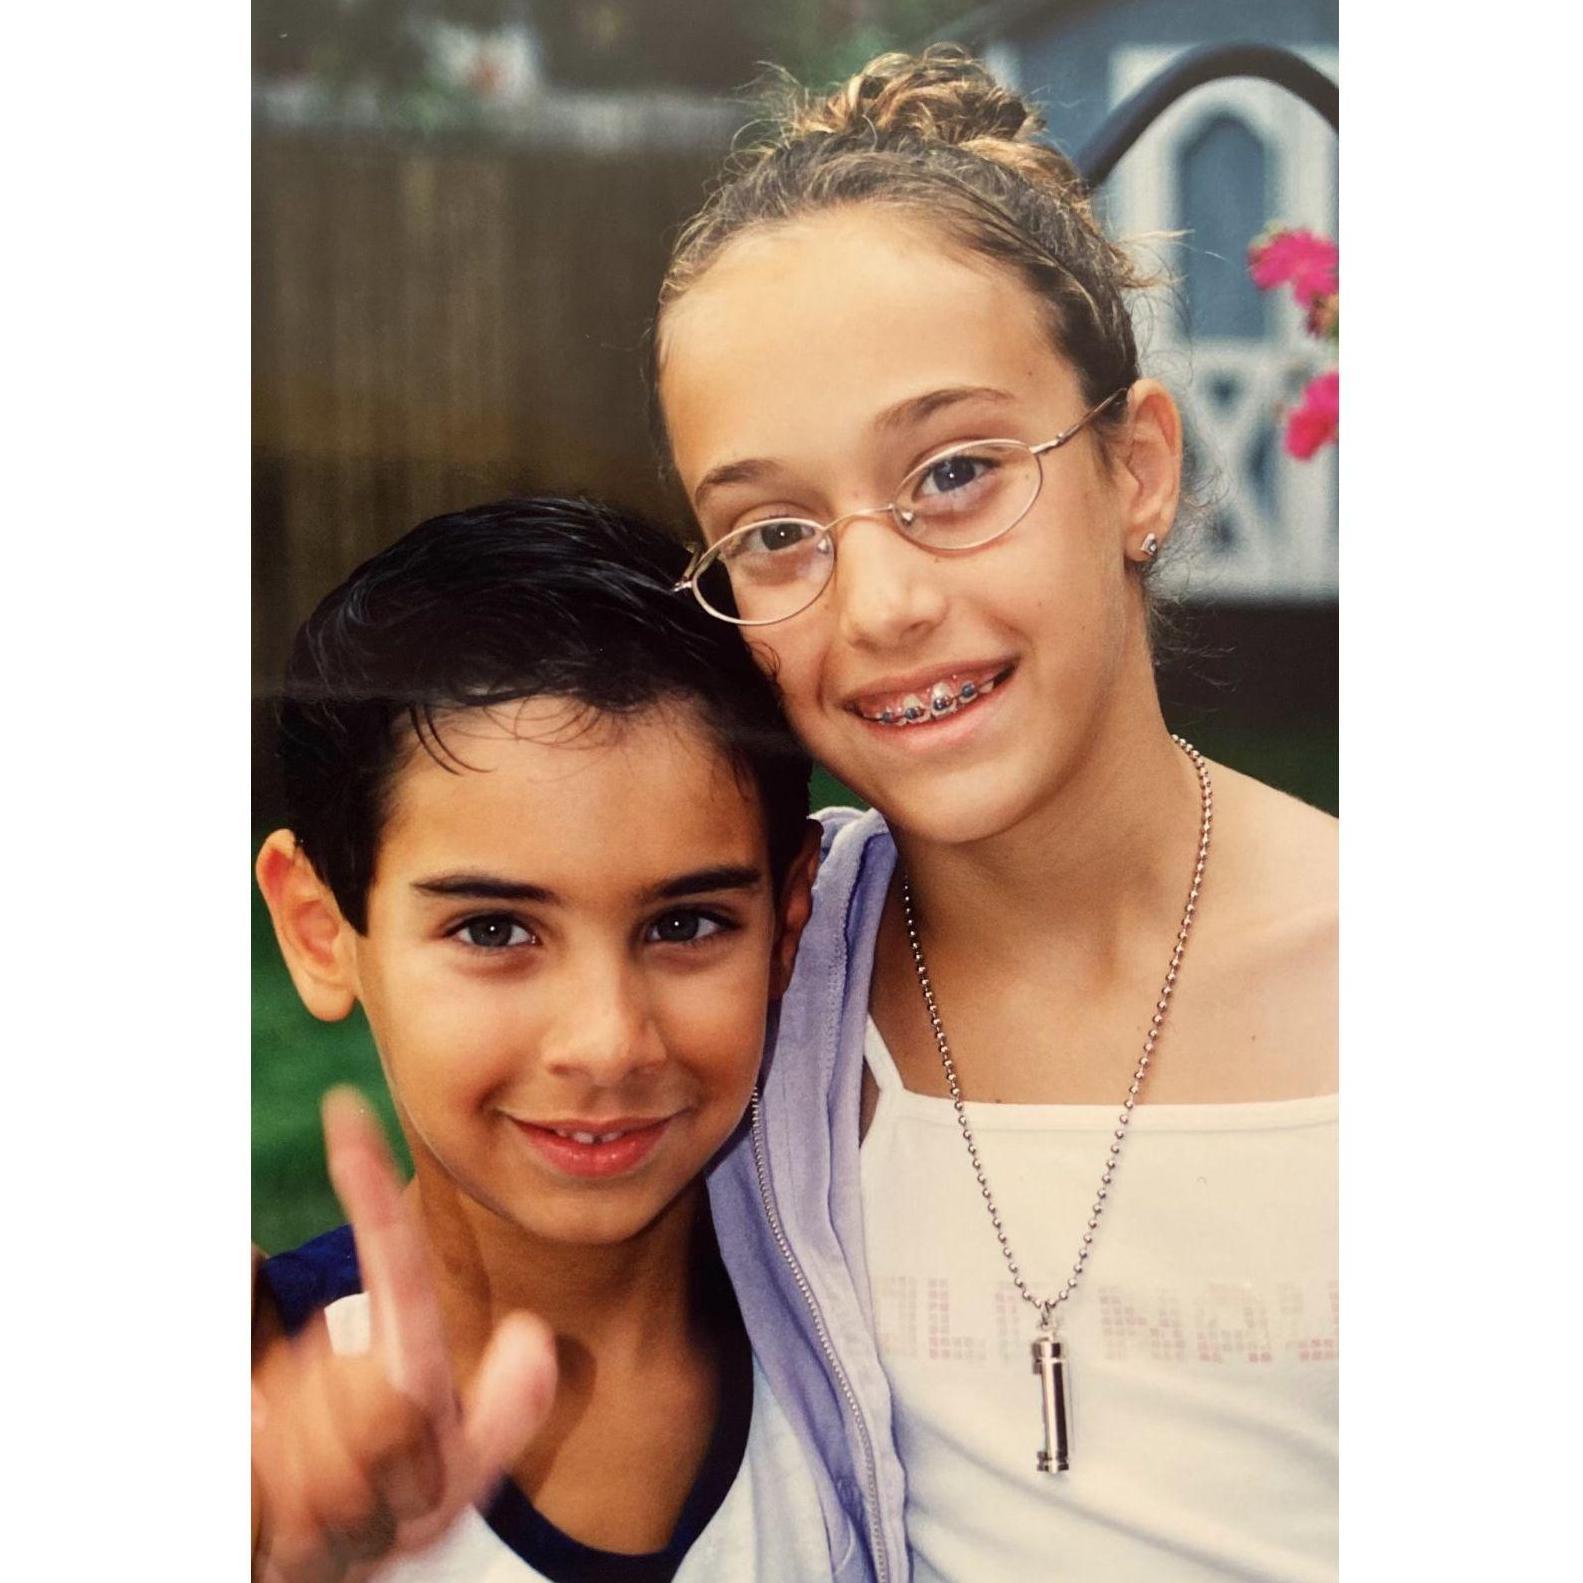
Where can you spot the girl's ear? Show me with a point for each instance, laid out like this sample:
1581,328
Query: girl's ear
1151,467
315,939
796,903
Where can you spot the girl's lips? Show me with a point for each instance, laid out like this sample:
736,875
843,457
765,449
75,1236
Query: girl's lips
613,1157
926,694
944,728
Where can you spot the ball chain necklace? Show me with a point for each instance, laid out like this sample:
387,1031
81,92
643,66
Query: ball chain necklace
1048,1362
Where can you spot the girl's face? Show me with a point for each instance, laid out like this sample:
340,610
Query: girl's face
809,369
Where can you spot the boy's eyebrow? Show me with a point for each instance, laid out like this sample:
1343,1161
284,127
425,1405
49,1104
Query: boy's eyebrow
726,876
490,887
484,887
914,409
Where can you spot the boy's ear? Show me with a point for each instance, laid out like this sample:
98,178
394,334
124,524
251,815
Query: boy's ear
1151,466
796,903
315,939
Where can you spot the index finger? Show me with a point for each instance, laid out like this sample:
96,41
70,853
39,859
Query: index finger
408,1333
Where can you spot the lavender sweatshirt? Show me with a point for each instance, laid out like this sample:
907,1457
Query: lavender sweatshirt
785,1197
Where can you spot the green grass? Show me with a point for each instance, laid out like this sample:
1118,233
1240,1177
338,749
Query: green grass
1300,758
295,1057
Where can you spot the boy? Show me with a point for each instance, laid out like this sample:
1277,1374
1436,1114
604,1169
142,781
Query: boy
547,827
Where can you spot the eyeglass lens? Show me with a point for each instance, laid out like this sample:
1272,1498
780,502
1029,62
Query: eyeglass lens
770,570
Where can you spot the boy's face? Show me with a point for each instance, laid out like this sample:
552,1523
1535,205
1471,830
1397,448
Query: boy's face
571,944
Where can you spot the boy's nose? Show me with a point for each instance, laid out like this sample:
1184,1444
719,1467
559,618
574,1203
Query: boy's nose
887,591
602,1029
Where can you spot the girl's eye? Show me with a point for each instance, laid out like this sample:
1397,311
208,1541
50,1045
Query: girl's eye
493,932
775,537
953,472
684,927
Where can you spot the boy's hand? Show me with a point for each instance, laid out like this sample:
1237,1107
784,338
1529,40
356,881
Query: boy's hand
356,1459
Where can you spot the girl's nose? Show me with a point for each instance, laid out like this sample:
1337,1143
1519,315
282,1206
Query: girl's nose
887,591
602,1029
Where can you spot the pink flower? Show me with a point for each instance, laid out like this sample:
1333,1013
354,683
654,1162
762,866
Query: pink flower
1307,261
1317,420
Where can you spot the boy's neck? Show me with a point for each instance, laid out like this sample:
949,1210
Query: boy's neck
614,1302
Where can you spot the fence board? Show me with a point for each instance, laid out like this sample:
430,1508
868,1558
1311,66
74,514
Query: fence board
436,325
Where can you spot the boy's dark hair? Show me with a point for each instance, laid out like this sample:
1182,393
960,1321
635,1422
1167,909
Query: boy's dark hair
519,599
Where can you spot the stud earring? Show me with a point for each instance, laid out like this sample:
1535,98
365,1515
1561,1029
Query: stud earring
1149,548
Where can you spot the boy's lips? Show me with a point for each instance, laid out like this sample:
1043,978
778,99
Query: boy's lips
594,1149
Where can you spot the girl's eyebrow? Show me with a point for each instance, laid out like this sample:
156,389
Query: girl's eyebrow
914,409
911,410
749,471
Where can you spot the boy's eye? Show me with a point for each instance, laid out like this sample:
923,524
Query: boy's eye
493,932
683,927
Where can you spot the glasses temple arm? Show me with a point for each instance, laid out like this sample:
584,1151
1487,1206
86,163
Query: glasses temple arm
1081,424
686,579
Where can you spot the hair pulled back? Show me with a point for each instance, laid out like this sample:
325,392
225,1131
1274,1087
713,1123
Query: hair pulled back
936,135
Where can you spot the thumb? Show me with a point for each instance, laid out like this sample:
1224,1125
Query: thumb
510,1396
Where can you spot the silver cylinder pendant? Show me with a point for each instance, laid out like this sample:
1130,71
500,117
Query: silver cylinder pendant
1049,1365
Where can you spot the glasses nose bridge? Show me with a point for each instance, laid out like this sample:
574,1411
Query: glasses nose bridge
893,513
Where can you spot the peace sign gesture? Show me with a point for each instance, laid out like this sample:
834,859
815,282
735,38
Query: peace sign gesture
358,1458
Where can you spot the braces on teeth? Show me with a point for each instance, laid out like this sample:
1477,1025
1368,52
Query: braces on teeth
941,701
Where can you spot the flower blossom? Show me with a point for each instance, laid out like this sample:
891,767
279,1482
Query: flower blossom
1316,420
1307,262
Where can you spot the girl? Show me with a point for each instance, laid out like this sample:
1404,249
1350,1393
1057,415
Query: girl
1043,1163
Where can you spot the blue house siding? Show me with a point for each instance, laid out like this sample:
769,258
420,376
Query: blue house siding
1063,51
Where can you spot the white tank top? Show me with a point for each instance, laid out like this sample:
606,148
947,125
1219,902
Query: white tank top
1201,1342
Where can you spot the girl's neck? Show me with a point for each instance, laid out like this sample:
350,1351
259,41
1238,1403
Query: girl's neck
1110,847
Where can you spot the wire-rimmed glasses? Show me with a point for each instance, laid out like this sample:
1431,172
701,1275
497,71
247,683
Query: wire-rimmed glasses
958,499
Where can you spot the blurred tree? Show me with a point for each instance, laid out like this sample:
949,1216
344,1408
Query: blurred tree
822,41
383,46
379,44
708,45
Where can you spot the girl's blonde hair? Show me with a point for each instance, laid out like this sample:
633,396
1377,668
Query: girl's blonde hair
934,134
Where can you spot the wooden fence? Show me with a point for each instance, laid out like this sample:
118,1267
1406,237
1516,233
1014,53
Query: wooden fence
437,325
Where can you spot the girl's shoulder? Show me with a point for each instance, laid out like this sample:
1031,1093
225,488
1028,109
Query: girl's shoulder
1272,885
1279,854
1260,1004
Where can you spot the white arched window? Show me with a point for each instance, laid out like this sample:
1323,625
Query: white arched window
1220,165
